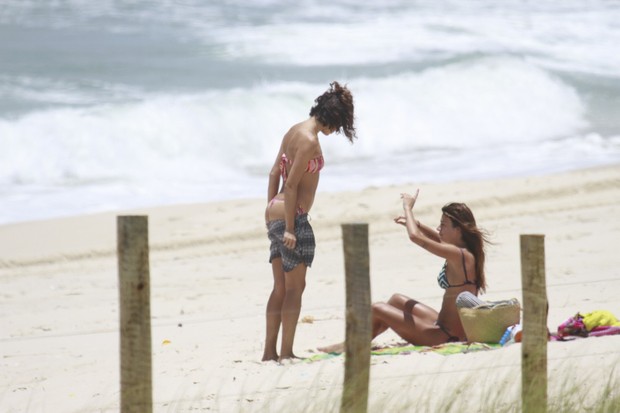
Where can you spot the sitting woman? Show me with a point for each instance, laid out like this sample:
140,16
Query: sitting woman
461,243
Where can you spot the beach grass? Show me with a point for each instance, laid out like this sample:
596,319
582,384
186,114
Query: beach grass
490,392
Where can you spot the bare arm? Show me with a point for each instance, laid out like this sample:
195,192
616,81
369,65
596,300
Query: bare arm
423,235
274,177
414,230
425,229
428,231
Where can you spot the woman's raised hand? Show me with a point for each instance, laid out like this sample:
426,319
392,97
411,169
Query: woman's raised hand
409,200
401,220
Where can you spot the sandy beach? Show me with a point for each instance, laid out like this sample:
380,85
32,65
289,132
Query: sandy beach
210,276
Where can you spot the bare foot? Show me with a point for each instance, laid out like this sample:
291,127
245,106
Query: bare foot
270,357
291,357
334,348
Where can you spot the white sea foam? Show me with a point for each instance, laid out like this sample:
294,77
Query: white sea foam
466,105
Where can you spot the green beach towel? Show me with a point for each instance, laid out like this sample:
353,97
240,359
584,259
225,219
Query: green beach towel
443,349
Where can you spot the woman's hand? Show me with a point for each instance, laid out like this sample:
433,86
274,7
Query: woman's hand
401,220
289,240
409,200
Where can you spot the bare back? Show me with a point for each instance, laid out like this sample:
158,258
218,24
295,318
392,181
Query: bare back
300,147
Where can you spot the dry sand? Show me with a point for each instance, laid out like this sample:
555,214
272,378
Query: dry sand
59,340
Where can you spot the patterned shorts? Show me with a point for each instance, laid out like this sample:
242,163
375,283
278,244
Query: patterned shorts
304,248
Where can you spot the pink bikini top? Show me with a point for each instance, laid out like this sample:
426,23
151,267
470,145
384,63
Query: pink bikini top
314,165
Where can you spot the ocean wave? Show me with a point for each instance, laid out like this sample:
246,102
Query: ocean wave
482,102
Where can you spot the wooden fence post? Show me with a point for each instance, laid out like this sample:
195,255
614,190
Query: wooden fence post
135,314
358,318
534,341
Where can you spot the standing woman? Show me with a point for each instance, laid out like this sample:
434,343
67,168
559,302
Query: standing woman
297,168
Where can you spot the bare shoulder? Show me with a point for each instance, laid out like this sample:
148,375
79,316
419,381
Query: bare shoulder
305,136
455,254
301,140
470,258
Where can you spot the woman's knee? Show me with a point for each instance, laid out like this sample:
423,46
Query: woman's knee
295,289
278,291
395,298
399,300
380,308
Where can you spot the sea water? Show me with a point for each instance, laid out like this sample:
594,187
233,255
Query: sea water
117,104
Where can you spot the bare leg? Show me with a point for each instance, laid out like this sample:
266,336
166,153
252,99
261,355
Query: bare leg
411,327
274,311
411,310
295,283
378,327
409,318
411,306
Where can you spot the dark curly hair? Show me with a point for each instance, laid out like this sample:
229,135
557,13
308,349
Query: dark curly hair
475,238
334,109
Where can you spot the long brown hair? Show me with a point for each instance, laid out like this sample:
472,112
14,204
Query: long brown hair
335,109
475,238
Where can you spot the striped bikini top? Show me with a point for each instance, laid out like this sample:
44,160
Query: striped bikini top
314,165
442,279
